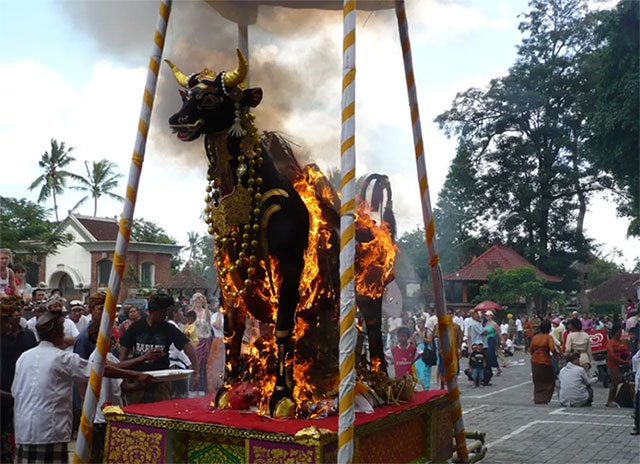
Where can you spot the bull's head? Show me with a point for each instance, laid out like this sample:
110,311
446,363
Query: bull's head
210,101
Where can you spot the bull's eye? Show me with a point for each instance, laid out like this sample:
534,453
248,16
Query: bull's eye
209,101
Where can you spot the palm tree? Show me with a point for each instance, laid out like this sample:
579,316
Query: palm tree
54,179
196,242
100,181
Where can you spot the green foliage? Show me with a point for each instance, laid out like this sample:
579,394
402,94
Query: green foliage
200,248
54,179
612,114
605,307
150,232
522,155
459,235
601,270
101,180
414,248
507,287
21,220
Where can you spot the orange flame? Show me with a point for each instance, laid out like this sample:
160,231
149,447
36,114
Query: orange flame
376,364
313,189
310,185
375,259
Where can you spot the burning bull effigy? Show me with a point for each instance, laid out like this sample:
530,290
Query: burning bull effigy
276,230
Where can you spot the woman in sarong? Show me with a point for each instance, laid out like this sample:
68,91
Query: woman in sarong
541,349
203,331
216,359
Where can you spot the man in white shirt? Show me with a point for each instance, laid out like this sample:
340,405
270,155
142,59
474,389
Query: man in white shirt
519,331
56,304
76,314
574,386
42,392
458,320
431,322
504,329
467,323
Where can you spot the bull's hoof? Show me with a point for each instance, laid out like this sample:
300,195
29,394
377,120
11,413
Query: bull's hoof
285,408
281,404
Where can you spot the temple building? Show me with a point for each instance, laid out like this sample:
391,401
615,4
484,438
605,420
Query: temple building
463,285
83,265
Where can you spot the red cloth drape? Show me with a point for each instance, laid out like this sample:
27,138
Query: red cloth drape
198,410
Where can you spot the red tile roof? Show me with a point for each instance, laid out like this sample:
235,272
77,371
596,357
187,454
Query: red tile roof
498,256
100,228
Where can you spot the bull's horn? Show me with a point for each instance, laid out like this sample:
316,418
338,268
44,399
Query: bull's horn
181,77
238,75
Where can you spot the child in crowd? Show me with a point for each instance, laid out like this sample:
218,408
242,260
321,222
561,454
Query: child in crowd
477,363
403,353
190,329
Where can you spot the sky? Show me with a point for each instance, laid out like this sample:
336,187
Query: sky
75,71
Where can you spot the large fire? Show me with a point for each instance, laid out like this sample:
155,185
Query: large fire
375,258
317,287
261,353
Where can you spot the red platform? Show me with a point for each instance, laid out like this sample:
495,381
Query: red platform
189,430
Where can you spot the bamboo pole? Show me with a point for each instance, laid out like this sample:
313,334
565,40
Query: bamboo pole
83,445
348,333
444,321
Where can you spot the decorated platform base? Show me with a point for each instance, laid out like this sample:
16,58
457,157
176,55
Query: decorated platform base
189,431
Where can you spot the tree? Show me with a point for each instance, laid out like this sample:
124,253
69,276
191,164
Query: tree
601,270
414,247
100,180
524,135
54,179
25,226
459,234
612,122
148,231
508,287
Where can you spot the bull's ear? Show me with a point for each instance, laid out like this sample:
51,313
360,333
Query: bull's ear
252,97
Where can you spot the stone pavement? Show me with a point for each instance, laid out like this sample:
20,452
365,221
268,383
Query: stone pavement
519,431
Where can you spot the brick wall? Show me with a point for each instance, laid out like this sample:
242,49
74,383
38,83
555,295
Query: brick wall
162,264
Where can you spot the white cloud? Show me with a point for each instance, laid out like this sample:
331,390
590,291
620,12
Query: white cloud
99,118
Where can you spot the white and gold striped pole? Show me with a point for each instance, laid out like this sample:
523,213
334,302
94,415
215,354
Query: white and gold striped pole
348,334
429,227
83,445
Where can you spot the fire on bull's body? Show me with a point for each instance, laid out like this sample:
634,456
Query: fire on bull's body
276,233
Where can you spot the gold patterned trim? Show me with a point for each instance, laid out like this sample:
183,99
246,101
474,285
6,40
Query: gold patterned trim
114,413
325,436
313,436
214,429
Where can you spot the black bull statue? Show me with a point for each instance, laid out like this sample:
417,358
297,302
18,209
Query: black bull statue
254,211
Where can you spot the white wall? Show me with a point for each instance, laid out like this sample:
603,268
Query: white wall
75,258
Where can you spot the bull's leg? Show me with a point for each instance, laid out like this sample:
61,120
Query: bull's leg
235,319
291,269
372,311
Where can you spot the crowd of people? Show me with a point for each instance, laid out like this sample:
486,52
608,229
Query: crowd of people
562,360
560,351
48,347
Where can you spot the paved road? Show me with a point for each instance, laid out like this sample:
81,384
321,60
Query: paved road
519,431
